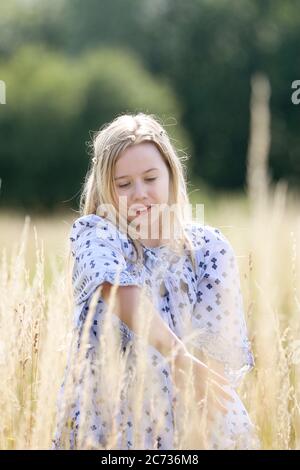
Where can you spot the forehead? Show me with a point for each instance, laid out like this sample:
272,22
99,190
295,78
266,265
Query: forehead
139,158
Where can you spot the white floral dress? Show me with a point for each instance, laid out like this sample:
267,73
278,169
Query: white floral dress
102,253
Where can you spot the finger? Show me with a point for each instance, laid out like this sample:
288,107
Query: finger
206,411
218,377
208,407
211,416
219,406
209,411
209,403
221,392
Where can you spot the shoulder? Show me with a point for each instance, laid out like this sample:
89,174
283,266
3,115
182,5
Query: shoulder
212,250
204,237
98,257
90,229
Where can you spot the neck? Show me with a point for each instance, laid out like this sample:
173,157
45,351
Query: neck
154,243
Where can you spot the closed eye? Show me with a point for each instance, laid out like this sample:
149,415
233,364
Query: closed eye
127,184
150,179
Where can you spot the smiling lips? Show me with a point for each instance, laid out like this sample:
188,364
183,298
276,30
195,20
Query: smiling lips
140,209
146,209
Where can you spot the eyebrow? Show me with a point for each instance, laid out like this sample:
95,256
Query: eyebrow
126,176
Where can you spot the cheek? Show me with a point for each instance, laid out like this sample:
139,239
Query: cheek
164,189
117,195
160,194
123,199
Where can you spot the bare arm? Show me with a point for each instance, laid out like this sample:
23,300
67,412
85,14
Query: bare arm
160,336
212,363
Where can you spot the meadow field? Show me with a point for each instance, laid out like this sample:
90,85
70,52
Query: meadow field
36,316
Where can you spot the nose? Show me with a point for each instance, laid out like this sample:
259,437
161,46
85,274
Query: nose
140,192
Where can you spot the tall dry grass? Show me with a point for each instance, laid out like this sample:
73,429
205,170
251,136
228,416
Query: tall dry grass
36,325
36,330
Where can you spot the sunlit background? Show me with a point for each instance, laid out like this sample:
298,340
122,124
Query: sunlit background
219,75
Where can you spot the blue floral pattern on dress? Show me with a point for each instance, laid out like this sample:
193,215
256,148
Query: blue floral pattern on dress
210,299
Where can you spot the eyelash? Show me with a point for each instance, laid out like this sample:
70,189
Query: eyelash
125,185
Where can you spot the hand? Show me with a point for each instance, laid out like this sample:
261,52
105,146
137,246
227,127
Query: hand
208,383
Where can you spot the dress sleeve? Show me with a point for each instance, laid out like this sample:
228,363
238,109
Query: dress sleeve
98,257
218,317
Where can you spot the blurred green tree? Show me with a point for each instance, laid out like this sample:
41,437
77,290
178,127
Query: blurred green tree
206,52
209,51
53,102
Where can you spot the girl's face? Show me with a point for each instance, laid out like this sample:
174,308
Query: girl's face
142,177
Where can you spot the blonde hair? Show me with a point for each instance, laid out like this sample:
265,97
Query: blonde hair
108,143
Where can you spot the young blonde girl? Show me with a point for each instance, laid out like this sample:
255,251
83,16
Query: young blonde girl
160,341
